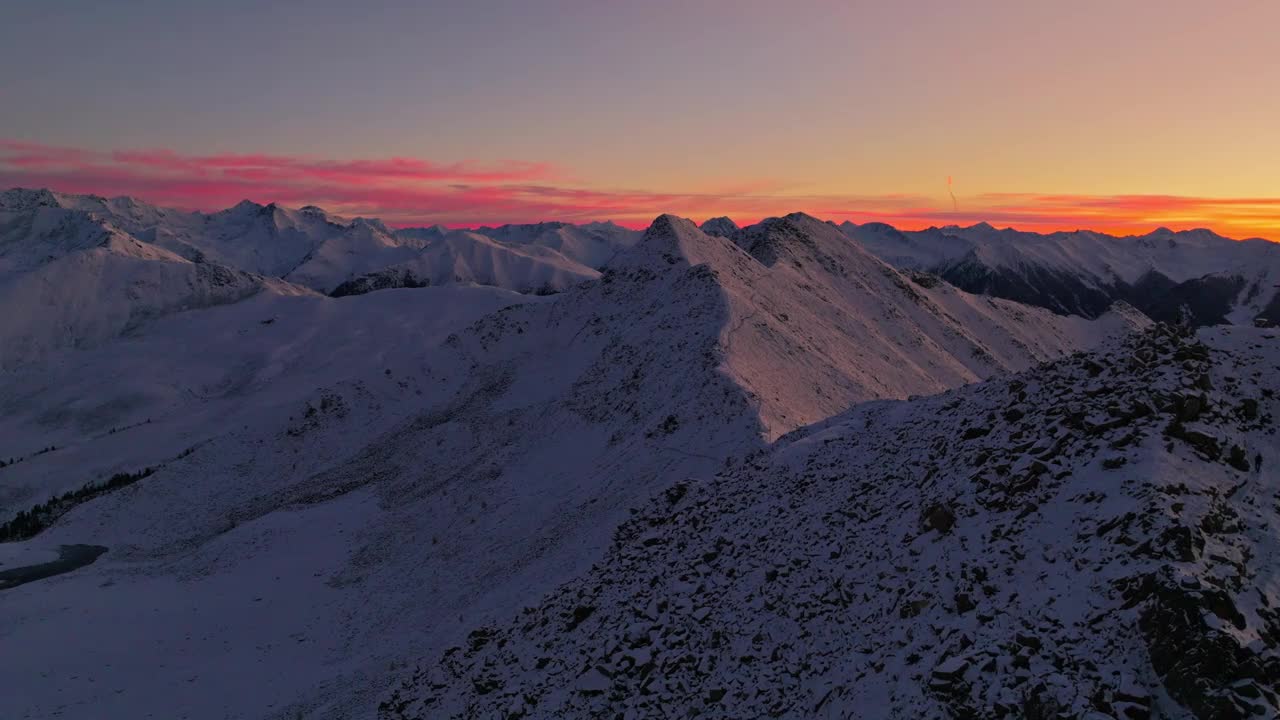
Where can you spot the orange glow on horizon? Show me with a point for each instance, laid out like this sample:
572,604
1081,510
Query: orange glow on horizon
412,192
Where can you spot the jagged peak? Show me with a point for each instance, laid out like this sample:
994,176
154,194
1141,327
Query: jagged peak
667,225
373,223
19,198
671,240
772,238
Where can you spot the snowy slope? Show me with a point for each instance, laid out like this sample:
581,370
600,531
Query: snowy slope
236,405
185,378
1096,538
539,258
591,244
462,256
346,484
884,334
70,280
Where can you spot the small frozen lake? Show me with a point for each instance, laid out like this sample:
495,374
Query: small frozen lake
67,558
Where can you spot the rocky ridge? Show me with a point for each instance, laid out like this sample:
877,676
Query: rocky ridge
1096,537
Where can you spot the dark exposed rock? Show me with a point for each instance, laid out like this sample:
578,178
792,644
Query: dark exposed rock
1182,543
1190,408
1199,664
938,517
1236,458
1249,408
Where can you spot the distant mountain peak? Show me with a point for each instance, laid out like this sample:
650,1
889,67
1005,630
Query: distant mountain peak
667,224
536,227
874,225
722,226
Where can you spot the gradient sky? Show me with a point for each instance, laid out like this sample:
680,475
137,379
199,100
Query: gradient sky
1118,115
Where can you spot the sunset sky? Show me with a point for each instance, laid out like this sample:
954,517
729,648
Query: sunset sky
1120,115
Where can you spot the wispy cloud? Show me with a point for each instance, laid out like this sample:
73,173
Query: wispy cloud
410,191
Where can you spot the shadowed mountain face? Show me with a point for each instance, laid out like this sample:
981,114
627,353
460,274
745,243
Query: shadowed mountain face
721,226
1058,290
1194,276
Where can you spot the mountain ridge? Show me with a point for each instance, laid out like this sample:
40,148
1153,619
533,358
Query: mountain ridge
1022,546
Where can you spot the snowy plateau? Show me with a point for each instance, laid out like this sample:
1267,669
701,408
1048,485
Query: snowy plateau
277,463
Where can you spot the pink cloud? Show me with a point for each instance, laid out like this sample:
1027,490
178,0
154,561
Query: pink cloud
412,191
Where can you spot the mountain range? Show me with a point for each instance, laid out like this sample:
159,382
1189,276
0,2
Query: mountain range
1193,276
336,469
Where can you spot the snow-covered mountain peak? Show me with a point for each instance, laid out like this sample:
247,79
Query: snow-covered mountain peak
667,224
245,206
668,233
722,226
671,240
371,223
797,237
